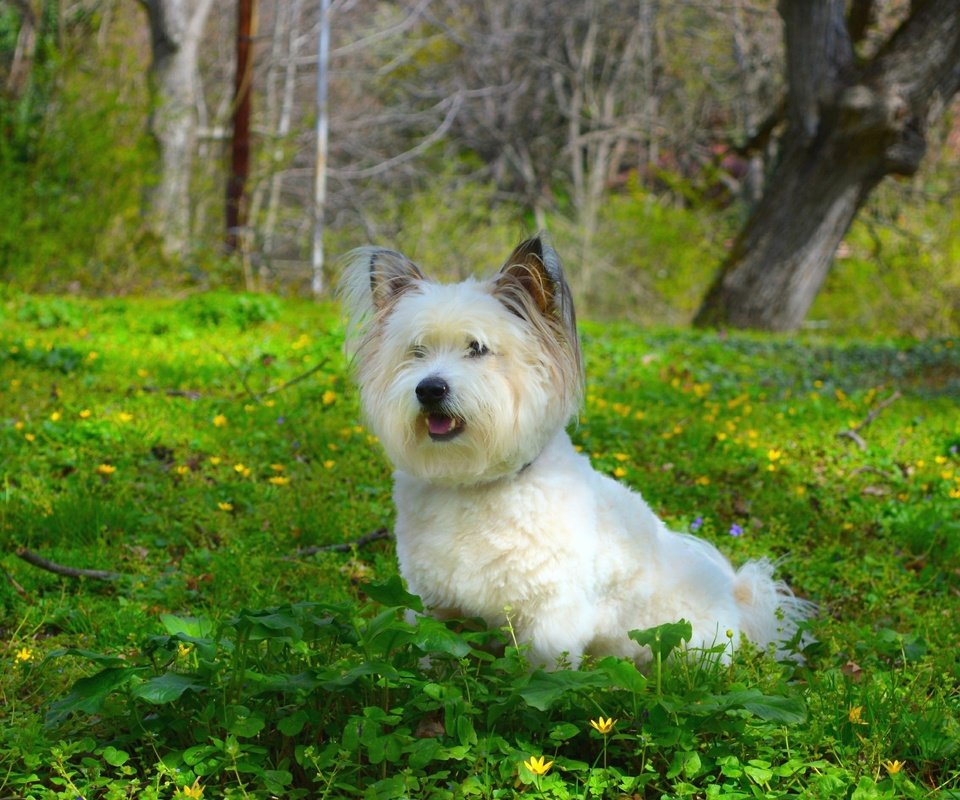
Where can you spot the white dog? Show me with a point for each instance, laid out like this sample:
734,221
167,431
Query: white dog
469,387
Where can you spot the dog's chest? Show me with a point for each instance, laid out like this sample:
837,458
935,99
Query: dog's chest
477,551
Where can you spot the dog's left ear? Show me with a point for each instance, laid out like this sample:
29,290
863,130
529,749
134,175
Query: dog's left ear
534,267
532,286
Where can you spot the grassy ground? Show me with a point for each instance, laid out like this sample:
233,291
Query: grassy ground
171,443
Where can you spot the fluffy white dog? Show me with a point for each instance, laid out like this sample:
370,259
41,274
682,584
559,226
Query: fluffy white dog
469,387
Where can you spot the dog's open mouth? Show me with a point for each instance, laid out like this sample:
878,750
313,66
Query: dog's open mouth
442,427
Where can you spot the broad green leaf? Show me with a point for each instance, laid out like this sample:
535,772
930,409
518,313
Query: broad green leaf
97,658
87,694
663,639
432,636
167,687
623,674
543,689
195,627
293,724
114,757
392,593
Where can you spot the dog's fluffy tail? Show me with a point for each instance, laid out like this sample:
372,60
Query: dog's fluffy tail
770,611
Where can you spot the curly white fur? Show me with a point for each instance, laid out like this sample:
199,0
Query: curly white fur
495,508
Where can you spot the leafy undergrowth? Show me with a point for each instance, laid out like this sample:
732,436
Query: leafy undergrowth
204,451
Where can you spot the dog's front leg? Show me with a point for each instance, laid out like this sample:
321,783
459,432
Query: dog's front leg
558,636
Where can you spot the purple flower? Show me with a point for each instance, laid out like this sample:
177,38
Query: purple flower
736,530
697,524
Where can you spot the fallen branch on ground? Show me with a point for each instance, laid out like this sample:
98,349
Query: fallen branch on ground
854,432
60,569
16,586
345,547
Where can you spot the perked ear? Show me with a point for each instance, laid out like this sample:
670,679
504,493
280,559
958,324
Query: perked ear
391,274
535,265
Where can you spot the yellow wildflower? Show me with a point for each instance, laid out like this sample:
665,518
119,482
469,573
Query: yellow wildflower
893,767
215,460
106,469
329,397
279,480
537,765
85,413
219,421
225,506
621,456
277,467
194,792
619,472
124,416
183,469
241,469
55,416
23,655
774,455
29,437
855,715
184,649
329,464
603,726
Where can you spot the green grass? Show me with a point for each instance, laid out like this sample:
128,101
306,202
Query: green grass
163,440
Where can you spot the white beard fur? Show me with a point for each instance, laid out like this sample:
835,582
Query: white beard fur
505,518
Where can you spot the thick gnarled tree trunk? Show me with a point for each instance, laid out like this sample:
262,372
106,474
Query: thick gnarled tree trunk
176,29
848,126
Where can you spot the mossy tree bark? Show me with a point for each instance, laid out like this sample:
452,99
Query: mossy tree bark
850,123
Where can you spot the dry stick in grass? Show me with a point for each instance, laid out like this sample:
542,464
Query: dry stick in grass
59,569
194,395
854,433
345,547
16,586
258,396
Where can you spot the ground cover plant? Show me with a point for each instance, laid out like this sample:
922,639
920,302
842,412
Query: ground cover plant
204,458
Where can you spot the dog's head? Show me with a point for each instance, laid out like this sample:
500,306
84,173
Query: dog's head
463,383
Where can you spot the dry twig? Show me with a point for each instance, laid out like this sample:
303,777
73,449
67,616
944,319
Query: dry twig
854,432
60,569
345,547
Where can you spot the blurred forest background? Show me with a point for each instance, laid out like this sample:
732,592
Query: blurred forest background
640,134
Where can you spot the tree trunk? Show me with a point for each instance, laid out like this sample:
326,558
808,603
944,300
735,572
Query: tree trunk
176,28
236,214
849,126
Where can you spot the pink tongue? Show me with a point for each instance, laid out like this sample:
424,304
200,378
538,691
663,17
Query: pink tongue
439,426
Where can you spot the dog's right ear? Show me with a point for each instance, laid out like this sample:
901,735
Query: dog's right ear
373,279
391,274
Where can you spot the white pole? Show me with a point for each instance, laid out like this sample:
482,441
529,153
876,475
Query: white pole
320,176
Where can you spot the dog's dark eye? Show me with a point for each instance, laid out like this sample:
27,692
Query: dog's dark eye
477,349
418,351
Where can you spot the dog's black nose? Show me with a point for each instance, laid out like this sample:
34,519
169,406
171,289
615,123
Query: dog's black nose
432,391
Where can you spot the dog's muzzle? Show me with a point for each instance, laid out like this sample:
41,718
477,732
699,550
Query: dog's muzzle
433,394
